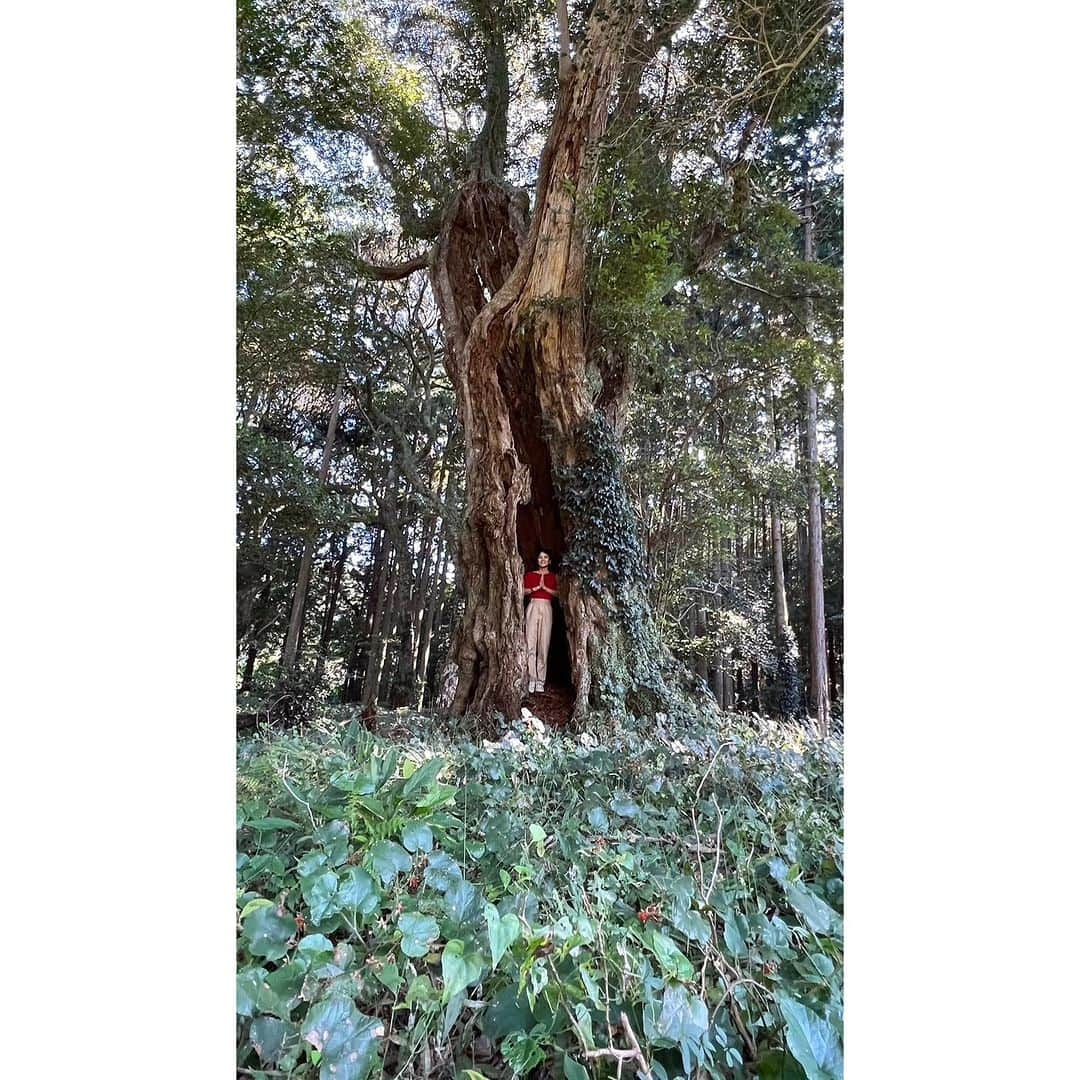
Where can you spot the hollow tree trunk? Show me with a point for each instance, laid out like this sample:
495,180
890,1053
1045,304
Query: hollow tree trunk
542,465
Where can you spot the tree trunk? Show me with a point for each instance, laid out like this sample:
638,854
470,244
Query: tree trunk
819,678
336,574
303,578
542,465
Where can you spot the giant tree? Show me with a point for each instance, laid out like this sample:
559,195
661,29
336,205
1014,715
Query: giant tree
540,390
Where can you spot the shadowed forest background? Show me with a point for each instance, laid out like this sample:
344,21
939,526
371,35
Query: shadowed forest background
713,276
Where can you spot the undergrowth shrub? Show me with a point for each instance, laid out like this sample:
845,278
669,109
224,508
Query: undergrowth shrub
668,901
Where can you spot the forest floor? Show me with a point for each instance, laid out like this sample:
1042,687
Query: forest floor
554,706
439,903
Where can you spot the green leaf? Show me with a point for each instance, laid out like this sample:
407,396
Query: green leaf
503,931
460,969
626,808
334,838
357,892
818,915
572,1070
252,905
812,1040
267,930
441,871
253,995
417,933
320,894
423,776
417,836
735,929
522,1052
268,1037
682,1018
463,904
692,924
273,824
346,1039
507,1013
390,977
388,860
313,950
672,961
778,1065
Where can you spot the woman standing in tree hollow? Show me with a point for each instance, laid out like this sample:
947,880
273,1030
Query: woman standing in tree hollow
540,587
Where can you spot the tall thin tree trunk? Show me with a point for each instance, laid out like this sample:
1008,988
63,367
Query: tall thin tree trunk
333,589
819,678
303,578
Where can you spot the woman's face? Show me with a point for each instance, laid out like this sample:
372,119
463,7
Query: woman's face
542,560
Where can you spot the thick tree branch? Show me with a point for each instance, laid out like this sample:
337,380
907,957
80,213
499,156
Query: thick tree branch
393,271
565,61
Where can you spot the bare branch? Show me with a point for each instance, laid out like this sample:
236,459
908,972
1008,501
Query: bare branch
394,271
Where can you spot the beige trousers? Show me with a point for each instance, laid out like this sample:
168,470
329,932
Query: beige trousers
537,638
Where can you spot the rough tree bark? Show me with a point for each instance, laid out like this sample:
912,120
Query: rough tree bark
542,465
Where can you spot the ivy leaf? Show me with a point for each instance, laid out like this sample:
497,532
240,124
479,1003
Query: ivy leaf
818,915
626,808
417,836
673,963
691,923
357,892
572,1070
320,894
313,950
460,970
346,1039
268,1038
423,776
254,996
463,904
417,933
267,931
735,928
507,1013
441,871
390,977
334,839
812,1040
388,860
502,932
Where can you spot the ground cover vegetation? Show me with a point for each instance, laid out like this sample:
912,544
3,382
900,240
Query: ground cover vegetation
666,901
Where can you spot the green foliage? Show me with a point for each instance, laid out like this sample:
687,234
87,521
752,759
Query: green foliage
690,879
605,547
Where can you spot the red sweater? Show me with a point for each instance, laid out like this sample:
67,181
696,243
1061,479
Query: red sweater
547,587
